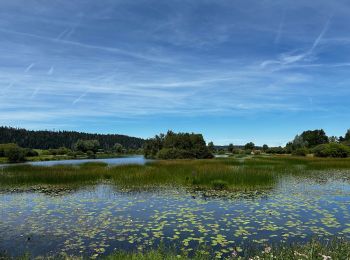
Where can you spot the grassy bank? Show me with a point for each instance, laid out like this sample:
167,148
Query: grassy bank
228,173
314,250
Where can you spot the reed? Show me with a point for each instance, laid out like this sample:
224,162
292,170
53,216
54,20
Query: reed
229,173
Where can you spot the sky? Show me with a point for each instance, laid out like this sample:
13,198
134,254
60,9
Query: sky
234,70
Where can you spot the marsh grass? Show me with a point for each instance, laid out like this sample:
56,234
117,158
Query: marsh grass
225,173
201,174
313,250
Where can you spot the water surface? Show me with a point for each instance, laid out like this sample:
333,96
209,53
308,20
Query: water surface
98,220
110,161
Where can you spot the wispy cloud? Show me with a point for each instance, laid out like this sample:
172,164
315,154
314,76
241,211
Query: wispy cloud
29,67
121,62
50,71
89,46
290,58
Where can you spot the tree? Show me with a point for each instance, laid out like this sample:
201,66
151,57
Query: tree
87,145
211,147
249,146
153,146
230,148
118,148
299,142
315,137
265,147
347,136
177,146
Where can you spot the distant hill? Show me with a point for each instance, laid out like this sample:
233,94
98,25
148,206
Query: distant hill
54,139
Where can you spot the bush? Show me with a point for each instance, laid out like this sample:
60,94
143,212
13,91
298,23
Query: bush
31,152
90,154
301,152
276,150
332,150
173,153
247,151
59,151
236,151
87,145
15,154
5,147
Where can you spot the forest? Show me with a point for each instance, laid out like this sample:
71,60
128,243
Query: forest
55,139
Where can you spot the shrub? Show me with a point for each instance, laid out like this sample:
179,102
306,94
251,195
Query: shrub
332,150
276,150
236,151
59,151
173,153
301,151
87,145
5,147
31,152
247,151
15,154
90,154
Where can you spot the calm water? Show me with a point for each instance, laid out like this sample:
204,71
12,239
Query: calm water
111,161
98,220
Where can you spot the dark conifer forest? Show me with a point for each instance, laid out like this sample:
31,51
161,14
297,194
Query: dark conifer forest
54,139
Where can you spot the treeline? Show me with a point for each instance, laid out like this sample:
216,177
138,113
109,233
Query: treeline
177,146
56,139
314,142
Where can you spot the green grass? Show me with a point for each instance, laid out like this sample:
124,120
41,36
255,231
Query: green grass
314,250
228,173
201,174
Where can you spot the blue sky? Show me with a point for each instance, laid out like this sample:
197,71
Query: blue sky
236,71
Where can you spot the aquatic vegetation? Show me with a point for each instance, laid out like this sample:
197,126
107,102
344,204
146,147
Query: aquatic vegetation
201,174
99,220
314,250
247,172
231,207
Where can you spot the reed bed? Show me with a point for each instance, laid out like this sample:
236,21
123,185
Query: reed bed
228,173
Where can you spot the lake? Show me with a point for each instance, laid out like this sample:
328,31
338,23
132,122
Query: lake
97,220
110,161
